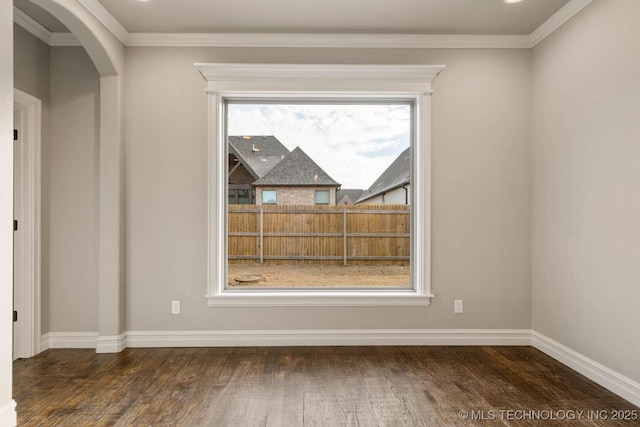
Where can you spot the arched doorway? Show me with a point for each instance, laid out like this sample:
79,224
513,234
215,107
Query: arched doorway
107,54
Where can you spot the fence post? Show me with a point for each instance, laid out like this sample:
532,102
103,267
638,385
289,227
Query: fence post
344,228
261,236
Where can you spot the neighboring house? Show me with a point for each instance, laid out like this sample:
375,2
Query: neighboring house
296,180
348,196
393,186
251,158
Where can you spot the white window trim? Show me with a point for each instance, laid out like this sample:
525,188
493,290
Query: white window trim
234,81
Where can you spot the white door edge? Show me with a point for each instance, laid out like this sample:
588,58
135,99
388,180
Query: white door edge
27,240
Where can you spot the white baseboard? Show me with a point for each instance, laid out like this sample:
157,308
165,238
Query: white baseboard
253,338
329,337
111,344
607,378
104,344
8,415
44,342
70,340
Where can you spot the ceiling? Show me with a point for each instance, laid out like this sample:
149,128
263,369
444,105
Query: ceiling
41,16
319,16
332,16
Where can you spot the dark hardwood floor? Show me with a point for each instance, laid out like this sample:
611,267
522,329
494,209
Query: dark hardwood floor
310,386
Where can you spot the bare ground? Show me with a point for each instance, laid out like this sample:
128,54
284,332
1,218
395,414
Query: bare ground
313,275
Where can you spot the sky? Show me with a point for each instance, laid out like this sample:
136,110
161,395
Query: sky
354,143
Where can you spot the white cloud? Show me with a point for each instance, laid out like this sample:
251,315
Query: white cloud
354,144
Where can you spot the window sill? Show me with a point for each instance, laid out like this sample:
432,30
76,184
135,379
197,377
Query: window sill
333,298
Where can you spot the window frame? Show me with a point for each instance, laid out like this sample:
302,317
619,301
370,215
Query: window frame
318,82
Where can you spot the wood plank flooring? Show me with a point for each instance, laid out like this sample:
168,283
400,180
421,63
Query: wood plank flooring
310,386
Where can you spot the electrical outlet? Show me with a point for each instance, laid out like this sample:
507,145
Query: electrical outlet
457,306
175,307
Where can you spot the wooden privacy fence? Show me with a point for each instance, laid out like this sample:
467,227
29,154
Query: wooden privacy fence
289,234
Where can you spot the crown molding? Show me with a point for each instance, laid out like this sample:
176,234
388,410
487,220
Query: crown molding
31,25
305,40
556,20
106,18
64,39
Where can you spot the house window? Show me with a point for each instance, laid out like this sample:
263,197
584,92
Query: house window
240,196
322,197
269,197
258,84
244,197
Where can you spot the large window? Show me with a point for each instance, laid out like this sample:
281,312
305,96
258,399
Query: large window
318,85
301,155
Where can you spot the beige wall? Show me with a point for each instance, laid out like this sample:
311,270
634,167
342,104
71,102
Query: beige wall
586,209
481,154
70,168
31,64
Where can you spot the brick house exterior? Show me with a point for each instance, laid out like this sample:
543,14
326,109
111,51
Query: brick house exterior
250,158
297,179
296,195
261,163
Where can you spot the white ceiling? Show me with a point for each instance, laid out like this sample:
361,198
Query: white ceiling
318,16
332,16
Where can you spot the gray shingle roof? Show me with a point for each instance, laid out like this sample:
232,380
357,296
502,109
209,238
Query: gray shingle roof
353,194
297,169
259,153
396,175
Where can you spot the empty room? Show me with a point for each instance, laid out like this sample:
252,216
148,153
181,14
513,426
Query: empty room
320,213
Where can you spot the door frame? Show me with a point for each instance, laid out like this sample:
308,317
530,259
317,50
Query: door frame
28,258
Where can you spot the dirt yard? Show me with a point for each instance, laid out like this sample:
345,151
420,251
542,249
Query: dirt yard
311,275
